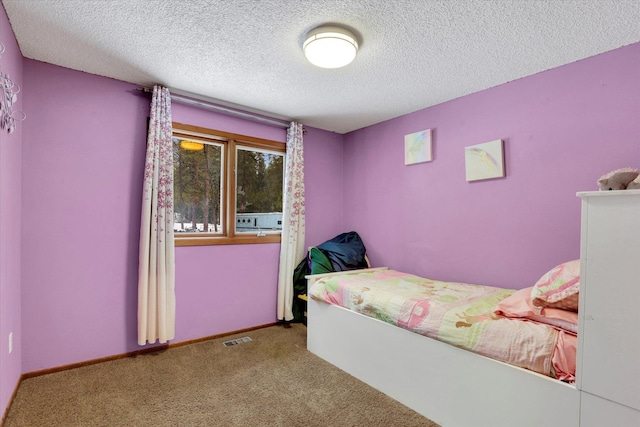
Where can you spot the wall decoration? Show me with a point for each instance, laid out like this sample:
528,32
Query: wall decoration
8,96
417,147
484,161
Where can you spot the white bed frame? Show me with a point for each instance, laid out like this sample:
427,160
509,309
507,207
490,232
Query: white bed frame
455,387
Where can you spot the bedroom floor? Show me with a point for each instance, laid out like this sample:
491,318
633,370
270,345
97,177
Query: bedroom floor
271,380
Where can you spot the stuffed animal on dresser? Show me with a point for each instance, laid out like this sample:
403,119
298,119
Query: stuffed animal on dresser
621,179
635,184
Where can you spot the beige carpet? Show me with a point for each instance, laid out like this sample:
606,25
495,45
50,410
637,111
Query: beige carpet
270,381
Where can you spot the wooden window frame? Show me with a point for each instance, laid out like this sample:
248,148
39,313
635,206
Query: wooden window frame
230,142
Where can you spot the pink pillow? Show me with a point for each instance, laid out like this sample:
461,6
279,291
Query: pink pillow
519,306
559,287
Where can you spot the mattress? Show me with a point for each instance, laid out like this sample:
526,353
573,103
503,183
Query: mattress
460,314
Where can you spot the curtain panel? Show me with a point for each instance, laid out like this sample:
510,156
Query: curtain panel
292,249
156,275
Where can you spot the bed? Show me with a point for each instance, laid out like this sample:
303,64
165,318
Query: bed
454,386
485,320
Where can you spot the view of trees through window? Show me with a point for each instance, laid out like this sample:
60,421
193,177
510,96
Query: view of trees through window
199,187
258,190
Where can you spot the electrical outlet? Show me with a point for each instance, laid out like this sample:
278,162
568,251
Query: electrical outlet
10,342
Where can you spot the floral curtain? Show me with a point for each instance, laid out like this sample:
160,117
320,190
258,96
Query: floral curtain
156,275
292,249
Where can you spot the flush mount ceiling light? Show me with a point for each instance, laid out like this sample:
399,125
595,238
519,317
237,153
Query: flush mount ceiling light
330,47
191,145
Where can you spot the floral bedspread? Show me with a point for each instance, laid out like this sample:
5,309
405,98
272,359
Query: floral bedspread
456,313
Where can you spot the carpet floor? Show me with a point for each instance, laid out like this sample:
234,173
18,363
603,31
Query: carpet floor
271,380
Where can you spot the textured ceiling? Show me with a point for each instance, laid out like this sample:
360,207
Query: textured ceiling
247,53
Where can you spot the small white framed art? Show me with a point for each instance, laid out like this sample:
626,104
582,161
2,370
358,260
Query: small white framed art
417,147
484,161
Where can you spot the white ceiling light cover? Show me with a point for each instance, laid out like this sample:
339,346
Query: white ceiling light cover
330,47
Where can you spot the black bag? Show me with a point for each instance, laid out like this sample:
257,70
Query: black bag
345,252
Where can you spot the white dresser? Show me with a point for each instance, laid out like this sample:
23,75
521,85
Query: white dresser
609,319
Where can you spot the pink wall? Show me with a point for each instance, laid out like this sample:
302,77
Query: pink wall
324,186
82,154
562,129
10,209
82,168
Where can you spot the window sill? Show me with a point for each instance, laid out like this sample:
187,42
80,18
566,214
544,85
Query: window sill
224,240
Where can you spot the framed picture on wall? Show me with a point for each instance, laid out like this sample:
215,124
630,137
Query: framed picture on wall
484,161
417,147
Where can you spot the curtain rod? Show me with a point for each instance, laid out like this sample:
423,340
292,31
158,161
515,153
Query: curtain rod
219,108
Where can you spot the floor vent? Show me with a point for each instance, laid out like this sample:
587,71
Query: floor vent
236,341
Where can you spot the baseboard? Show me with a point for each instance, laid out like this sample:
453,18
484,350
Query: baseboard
226,334
135,353
140,352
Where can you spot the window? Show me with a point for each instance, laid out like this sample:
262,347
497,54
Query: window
227,187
